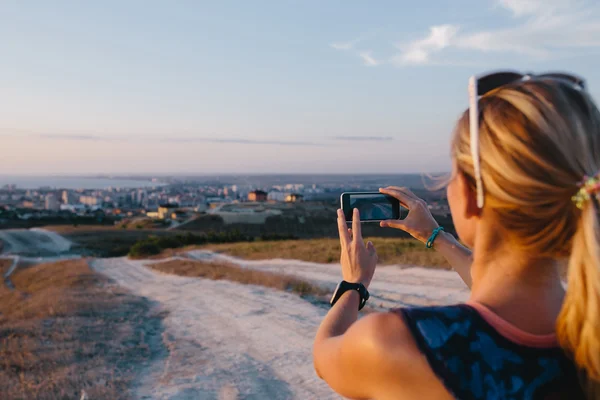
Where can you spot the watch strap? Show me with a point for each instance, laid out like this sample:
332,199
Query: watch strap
344,286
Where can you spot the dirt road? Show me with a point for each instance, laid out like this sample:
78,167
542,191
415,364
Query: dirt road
230,341
226,341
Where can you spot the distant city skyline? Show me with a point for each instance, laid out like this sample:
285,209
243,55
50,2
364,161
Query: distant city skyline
236,87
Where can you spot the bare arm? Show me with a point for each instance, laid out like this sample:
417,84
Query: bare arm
420,223
458,256
336,322
340,352
365,360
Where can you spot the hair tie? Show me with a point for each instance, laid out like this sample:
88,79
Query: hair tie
587,188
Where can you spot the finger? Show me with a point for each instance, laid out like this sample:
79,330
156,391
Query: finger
405,199
343,229
370,247
394,223
404,190
356,228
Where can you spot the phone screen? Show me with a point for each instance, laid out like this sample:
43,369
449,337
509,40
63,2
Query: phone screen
371,206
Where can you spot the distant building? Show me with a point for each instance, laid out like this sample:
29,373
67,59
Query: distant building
179,215
285,197
142,197
166,210
294,198
257,195
69,197
90,201
52,203
27,204
276,196
296,187
153,214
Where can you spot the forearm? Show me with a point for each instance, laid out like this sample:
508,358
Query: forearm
337,321
339,318
458,256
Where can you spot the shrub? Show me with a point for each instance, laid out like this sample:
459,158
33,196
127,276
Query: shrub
155,245
144,248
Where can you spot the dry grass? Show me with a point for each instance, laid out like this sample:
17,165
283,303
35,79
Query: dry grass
222,271
4,265
110,241
65,329
390,251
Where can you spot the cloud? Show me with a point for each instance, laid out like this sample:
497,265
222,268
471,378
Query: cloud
419,51
164,139
73,137
531,30
351,44
365,55
368,59
365,138
342,45
240,141
520,8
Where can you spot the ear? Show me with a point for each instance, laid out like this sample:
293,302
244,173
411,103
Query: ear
469,196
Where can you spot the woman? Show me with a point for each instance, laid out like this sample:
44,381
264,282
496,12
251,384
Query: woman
522,194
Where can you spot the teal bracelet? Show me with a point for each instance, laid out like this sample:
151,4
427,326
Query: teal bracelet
434,234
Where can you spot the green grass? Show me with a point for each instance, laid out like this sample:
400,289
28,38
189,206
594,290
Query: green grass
390,251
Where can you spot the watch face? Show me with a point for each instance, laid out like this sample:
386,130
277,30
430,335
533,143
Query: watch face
335,292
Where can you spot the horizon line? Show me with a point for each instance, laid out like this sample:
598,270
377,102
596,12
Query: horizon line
191,174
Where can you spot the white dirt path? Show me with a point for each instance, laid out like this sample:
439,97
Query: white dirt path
225,340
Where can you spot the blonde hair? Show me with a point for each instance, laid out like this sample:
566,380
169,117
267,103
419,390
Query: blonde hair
538,139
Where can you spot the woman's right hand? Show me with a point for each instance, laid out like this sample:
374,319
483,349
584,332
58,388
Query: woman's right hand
419,222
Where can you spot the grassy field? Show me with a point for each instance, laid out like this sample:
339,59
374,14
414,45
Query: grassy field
113,242
64,330
390,251
233,273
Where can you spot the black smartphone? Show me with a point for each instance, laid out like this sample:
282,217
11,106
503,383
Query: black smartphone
372,206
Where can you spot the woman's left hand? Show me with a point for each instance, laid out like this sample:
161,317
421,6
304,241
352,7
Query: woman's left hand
358,260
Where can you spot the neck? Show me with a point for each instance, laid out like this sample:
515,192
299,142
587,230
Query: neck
522,289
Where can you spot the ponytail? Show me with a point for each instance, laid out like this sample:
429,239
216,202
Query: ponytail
578,325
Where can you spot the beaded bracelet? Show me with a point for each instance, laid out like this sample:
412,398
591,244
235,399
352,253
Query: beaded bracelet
434,234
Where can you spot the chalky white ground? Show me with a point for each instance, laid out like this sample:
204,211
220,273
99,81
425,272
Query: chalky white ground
230,341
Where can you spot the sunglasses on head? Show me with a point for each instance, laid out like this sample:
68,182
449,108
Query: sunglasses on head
483,84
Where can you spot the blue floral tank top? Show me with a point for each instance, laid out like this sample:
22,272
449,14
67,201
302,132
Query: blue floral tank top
474,361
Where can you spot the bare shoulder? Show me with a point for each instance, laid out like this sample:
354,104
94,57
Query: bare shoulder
388,337
402,369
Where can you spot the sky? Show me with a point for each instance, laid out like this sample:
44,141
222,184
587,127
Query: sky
279,86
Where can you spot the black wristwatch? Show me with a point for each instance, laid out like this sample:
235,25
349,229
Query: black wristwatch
345,286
